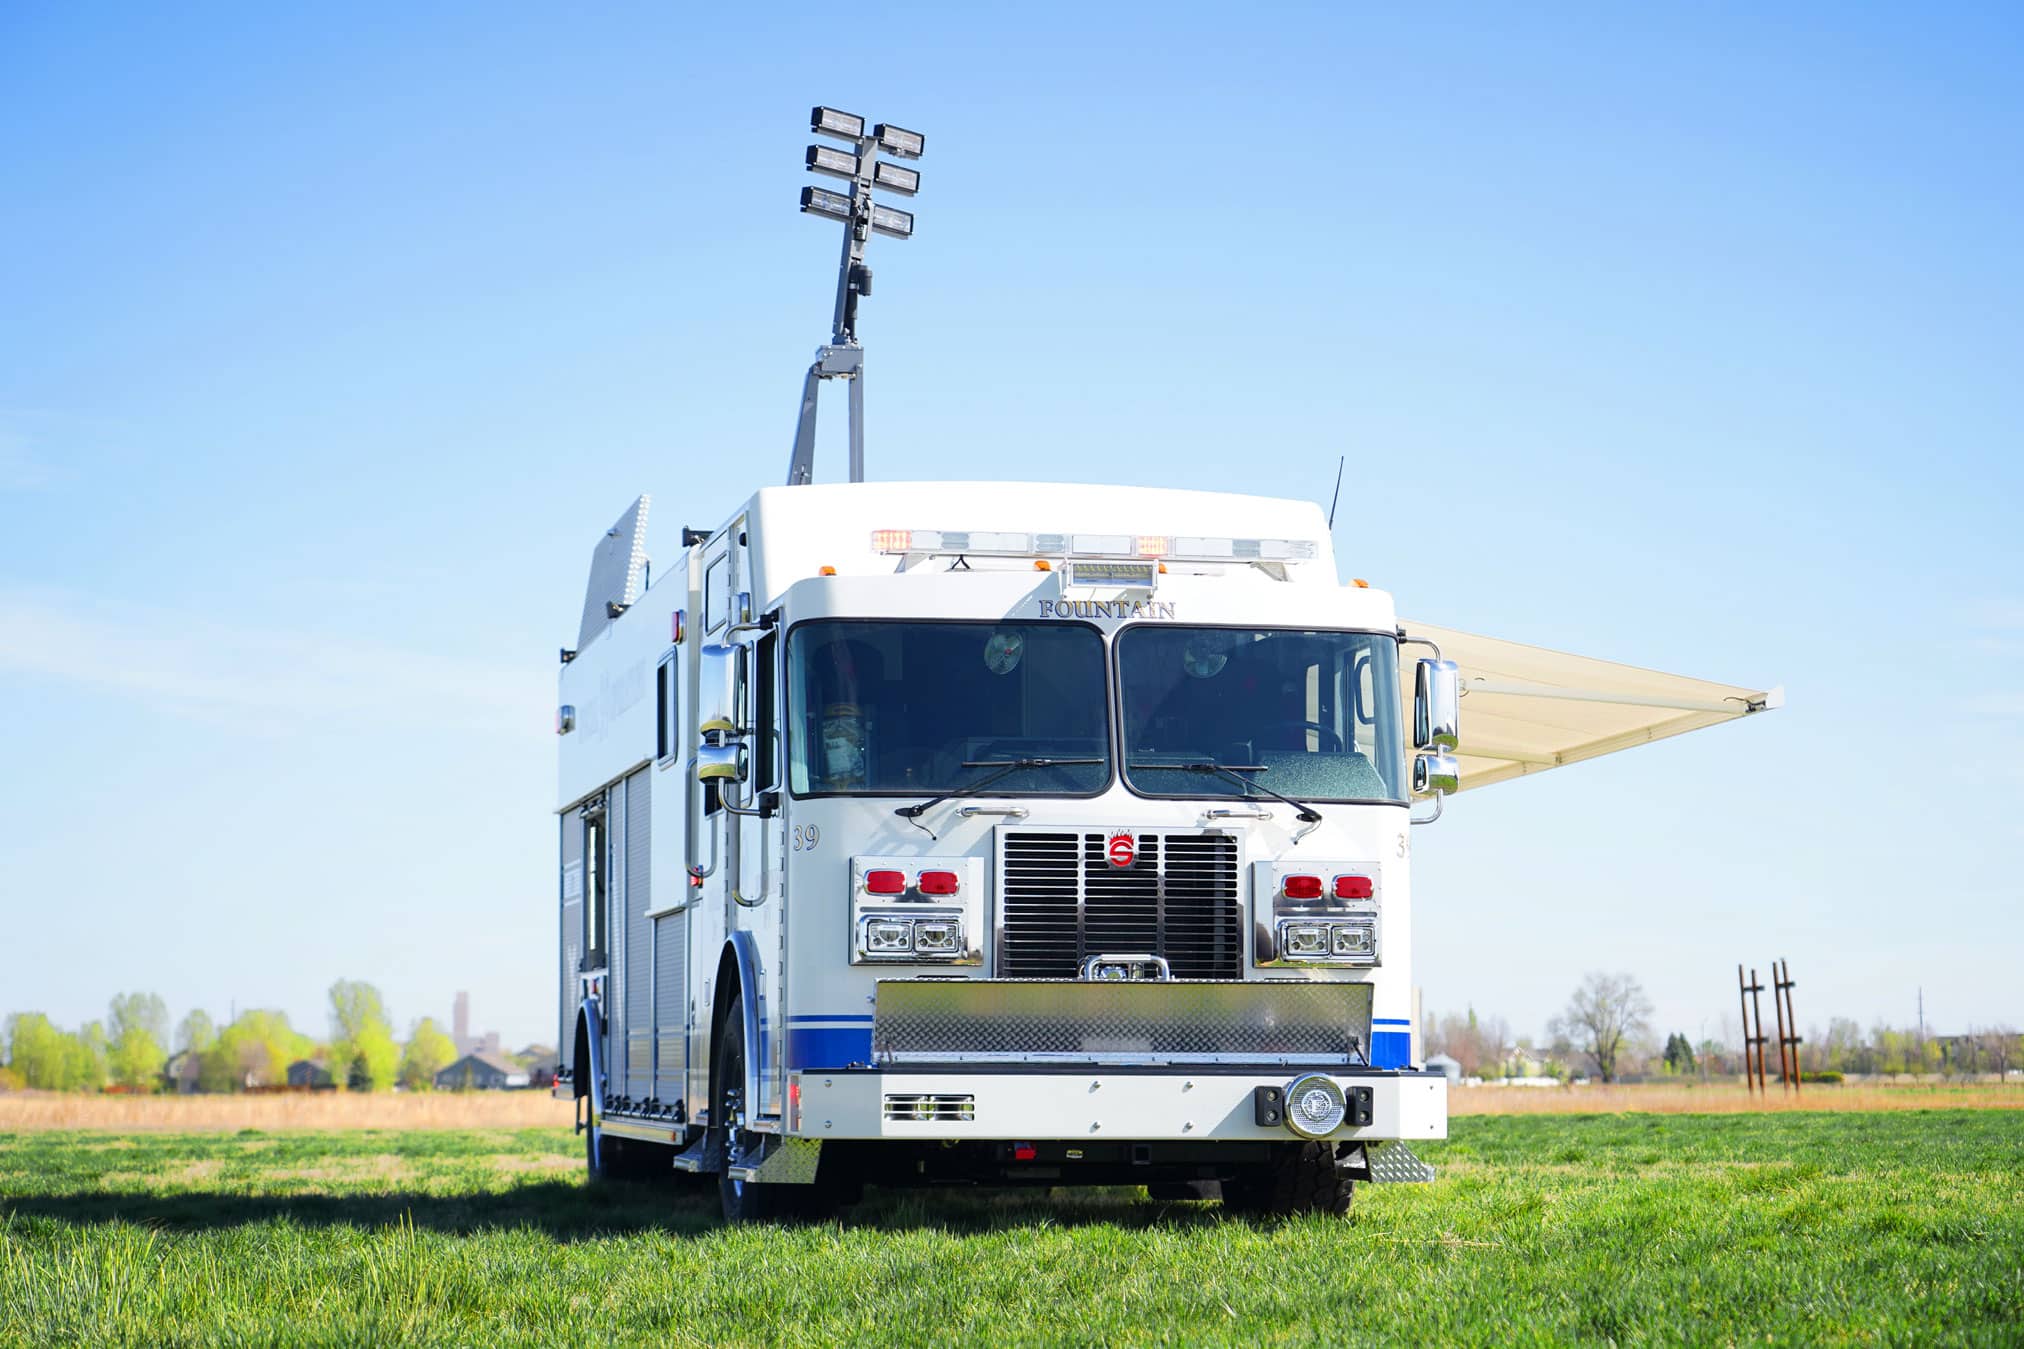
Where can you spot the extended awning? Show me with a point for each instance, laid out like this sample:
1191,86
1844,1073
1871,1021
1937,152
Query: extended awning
1526,709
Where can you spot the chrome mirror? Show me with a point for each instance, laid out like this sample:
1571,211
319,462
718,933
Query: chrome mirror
720,691
1437,706
1436,774
720,763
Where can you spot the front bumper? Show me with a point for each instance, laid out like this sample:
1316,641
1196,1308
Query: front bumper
1214,1104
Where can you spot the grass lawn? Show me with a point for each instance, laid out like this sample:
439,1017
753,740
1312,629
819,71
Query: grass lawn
1904,1227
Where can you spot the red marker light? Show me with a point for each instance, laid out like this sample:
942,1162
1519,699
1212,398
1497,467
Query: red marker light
1303,887
938,882
886,882
1352,887
1024,1152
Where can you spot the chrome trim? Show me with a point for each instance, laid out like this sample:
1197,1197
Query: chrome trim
1228,813
1305,1086
1009,812
1163,973
1437,705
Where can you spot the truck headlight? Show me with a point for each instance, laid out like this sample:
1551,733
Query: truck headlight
938,937
1314,1106
1304,939
1353,939
888,937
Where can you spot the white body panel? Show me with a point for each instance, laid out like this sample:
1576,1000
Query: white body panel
1100,1107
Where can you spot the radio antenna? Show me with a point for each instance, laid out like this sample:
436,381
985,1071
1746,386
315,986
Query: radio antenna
1333,496
841,357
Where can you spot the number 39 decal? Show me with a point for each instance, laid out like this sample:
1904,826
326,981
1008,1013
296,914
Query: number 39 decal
805,837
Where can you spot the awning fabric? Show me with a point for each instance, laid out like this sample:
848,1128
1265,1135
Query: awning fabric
1526,709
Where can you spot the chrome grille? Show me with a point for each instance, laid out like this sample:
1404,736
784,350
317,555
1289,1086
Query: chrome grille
1061,901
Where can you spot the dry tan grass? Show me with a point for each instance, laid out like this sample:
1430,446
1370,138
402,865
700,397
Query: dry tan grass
1725,1097
31,1110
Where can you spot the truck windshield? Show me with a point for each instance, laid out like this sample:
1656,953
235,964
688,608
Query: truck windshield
907,708
1312,715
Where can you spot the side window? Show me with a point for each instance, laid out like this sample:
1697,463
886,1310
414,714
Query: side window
594,862
717,594
667,709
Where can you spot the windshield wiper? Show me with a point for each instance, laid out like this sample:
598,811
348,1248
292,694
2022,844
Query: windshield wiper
1235,772
1006,768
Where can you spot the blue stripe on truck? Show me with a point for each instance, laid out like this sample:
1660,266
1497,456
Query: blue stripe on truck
1391,1048
817,1047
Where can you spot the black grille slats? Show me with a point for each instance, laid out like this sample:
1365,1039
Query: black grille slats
1061,901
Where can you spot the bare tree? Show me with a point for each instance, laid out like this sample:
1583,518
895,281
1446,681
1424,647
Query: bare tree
1999,1048
1606,1011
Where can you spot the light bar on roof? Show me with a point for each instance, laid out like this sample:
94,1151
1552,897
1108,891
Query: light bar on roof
1183,548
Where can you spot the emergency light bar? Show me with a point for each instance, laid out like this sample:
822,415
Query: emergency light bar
1180,548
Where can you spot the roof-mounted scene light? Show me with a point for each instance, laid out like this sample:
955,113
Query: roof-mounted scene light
893,223
899,141
831,122
893,178
834,162
821,201
858,164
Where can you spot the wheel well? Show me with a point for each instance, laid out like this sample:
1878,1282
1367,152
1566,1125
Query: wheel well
728,989
580,1057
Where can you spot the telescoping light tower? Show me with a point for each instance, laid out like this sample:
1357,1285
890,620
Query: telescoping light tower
841,357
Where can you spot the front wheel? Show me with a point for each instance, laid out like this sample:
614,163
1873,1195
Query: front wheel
748,1201
1300,1178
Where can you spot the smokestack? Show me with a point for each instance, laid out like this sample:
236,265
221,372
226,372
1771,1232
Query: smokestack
460,1021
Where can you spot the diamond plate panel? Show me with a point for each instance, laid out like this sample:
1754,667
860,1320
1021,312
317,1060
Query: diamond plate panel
1394,1163
1074,1021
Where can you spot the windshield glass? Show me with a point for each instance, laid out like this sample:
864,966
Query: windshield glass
1318,712
894,708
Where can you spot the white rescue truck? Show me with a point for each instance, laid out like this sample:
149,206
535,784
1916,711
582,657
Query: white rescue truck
1015,833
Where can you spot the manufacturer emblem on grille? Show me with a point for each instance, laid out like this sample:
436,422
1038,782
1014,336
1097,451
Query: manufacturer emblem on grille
1122,850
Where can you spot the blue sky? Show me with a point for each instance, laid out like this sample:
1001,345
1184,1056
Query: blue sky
329,341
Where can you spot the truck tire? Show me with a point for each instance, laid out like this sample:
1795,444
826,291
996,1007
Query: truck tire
1300,1178
747,1201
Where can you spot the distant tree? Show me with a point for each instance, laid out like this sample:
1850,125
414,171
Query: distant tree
361,1040
1605,1013
196,1033
1679,1054
2000,1048
253,1051
428,1052
140,1027
40,1054
96,1050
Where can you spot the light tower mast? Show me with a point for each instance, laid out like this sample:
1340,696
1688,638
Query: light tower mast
842,357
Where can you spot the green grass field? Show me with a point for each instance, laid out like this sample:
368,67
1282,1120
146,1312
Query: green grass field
1906,1227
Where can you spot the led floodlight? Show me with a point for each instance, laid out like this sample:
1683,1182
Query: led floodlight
893,178
830,122
836,163
886,220
821,201
898,141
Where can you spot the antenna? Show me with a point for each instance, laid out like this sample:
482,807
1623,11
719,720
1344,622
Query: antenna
1337,493
841,357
